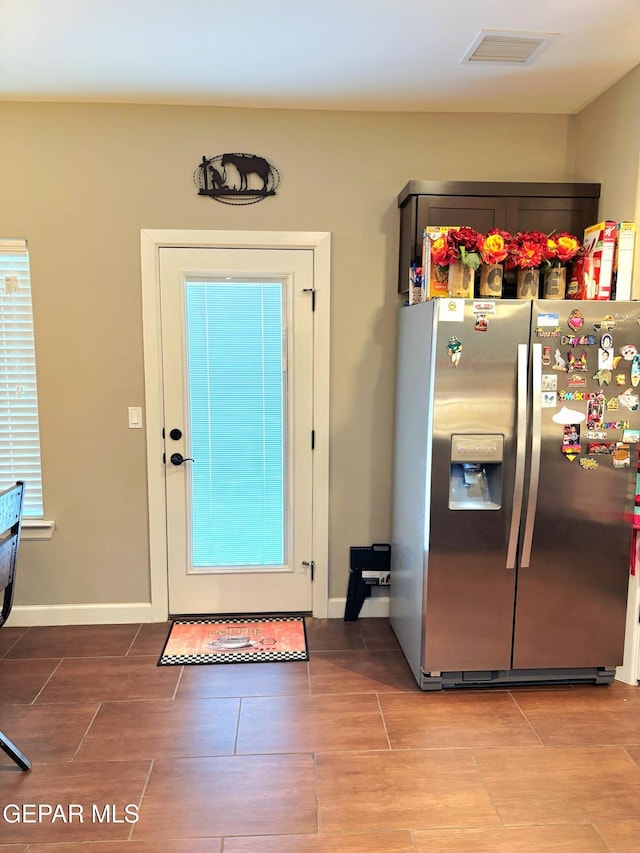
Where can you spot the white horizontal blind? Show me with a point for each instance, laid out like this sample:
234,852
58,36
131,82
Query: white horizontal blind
19,428
237,405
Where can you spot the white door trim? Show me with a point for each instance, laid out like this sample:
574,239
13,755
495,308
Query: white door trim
151,241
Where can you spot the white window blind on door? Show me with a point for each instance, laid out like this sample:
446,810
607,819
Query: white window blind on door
19,426
237,405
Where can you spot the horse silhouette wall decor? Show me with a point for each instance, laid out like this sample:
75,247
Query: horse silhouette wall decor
236,178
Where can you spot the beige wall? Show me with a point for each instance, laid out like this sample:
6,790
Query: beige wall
80,181
607,140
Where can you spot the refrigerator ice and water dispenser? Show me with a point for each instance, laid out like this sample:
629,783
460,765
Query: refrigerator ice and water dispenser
475,480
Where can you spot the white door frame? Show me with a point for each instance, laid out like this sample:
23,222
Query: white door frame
151,241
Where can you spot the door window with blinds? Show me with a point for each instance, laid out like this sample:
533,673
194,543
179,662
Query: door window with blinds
19,427
236,387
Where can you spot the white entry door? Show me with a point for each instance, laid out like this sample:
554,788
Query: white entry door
237,361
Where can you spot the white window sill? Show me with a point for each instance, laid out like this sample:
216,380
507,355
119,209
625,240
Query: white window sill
37,528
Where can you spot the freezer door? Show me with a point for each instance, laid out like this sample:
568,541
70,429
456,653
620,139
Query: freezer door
573,579
470,578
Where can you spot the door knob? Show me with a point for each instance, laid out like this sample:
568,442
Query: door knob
175,434
178,459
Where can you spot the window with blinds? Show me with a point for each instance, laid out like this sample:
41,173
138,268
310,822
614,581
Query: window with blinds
19,427
237,412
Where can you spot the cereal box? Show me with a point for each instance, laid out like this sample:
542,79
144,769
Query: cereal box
623,260
599,245
436,279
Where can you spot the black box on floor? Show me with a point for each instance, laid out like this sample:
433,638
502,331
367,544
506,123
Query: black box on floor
370,565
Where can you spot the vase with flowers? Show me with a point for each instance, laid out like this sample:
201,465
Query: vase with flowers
527,250
493,248
455,256
562,248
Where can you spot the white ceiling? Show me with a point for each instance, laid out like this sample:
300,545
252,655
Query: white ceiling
338,54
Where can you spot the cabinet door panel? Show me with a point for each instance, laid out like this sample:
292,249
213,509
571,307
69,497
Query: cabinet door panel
481,213
552,214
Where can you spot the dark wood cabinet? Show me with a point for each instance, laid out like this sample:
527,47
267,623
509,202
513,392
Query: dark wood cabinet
514,207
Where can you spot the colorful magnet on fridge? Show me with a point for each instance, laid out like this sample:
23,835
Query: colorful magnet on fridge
606,341
629,400
595,411
603,377
481,323
560,363
605,358
588,464
576,381
621,379
549,382
601,448
571,439
628,352
570,456
578,340
576,320
454,350
612,404
546,356
607,323
576,364
631,436
621,456
635,371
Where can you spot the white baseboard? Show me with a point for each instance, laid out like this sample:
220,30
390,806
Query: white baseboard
26,616
377,605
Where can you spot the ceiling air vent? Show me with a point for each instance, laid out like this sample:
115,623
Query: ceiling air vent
516,48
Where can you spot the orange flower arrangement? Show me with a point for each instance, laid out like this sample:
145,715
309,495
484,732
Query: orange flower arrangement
562,248
527,250
457,244
494,248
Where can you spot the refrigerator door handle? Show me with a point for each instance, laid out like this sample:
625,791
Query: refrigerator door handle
521,438
536,442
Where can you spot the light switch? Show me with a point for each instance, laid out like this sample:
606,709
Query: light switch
135,417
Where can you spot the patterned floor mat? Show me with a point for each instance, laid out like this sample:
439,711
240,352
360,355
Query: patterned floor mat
235,639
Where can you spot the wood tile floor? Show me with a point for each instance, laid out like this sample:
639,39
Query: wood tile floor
340,754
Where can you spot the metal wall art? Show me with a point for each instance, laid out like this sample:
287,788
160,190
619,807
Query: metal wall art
236,178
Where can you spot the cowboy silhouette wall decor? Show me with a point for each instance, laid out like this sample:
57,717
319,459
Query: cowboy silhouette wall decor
236,178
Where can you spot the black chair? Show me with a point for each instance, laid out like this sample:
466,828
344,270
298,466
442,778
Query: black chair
11,501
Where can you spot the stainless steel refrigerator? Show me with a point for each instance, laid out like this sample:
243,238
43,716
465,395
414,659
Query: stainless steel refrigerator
516,450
